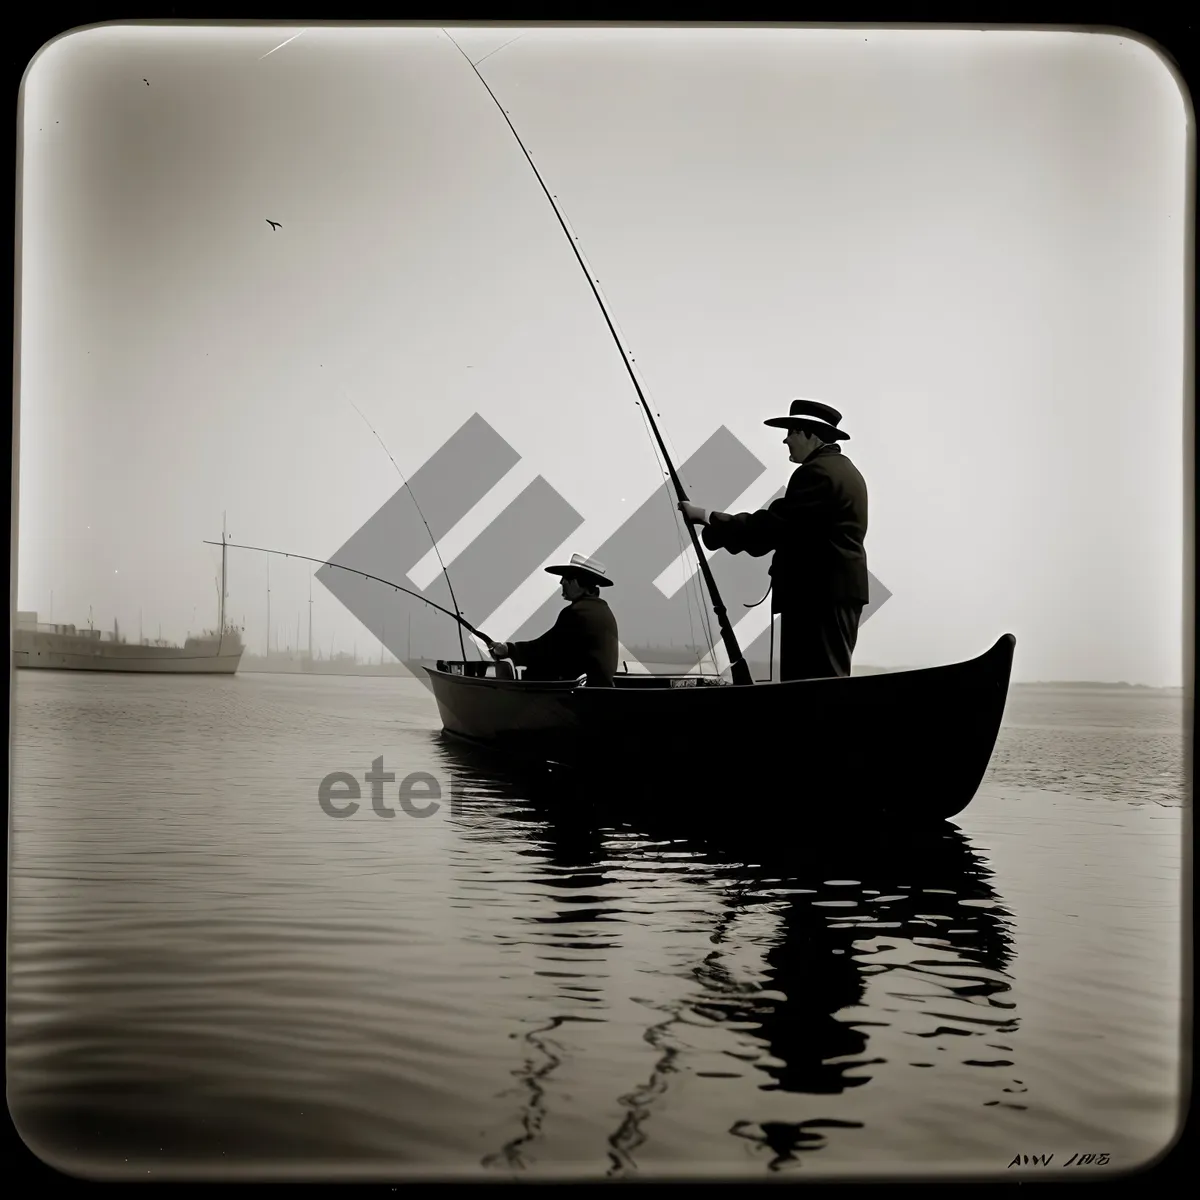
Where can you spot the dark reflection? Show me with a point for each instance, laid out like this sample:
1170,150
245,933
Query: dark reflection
492,803
787,1139
630,1135
543,1055
570,834
884,888
915,907
570,838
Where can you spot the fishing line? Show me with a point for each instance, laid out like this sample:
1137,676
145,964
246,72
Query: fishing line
694,581
325,562
771,660
453,599
688,584
498,49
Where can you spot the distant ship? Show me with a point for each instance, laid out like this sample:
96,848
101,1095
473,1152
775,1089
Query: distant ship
66,648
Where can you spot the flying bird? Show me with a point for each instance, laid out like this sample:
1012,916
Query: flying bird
273,224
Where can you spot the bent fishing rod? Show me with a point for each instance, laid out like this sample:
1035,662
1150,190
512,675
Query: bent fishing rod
453,598
324,562
739,670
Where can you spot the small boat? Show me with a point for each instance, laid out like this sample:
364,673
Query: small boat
907,744
912,744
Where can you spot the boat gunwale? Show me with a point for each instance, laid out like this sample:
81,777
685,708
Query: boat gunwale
564,687
1003,648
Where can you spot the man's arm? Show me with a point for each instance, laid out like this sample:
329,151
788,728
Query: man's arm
548,648
759,533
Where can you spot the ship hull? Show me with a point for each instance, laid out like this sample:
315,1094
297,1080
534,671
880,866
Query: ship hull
40,652
180,664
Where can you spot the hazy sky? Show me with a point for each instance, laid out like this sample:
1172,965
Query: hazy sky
970,243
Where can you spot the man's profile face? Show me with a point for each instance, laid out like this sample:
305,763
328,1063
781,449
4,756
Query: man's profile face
800,444
570,588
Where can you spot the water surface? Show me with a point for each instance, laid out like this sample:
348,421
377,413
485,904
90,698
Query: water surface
209,974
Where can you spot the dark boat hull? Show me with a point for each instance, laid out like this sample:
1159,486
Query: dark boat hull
910,743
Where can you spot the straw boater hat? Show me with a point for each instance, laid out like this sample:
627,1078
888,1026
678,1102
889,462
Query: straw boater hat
586,569
819,417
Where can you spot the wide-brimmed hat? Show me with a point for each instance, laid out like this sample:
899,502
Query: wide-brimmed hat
586,569
820,417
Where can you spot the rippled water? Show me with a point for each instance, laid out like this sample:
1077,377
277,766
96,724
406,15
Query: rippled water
209,974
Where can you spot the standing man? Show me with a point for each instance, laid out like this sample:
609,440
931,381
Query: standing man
583,641
816,531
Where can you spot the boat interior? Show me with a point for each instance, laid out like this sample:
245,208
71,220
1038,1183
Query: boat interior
624,678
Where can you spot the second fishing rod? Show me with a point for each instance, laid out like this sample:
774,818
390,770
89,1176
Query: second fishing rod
453,599
396,587
456,615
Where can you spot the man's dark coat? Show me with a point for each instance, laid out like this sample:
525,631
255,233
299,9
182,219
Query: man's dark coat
816,531
582,641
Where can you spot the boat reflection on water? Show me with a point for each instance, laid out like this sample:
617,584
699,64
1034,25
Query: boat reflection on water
846,906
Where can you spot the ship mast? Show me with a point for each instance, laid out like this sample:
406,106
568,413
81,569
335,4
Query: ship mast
224,555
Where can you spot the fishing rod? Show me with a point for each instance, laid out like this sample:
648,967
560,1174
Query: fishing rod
739,670
324,562
453,599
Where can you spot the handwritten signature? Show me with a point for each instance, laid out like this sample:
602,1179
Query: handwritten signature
1044,1160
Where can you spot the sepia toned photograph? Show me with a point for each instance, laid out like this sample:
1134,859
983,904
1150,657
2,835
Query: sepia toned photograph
601,602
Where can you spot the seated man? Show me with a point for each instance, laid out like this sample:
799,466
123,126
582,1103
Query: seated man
583,641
